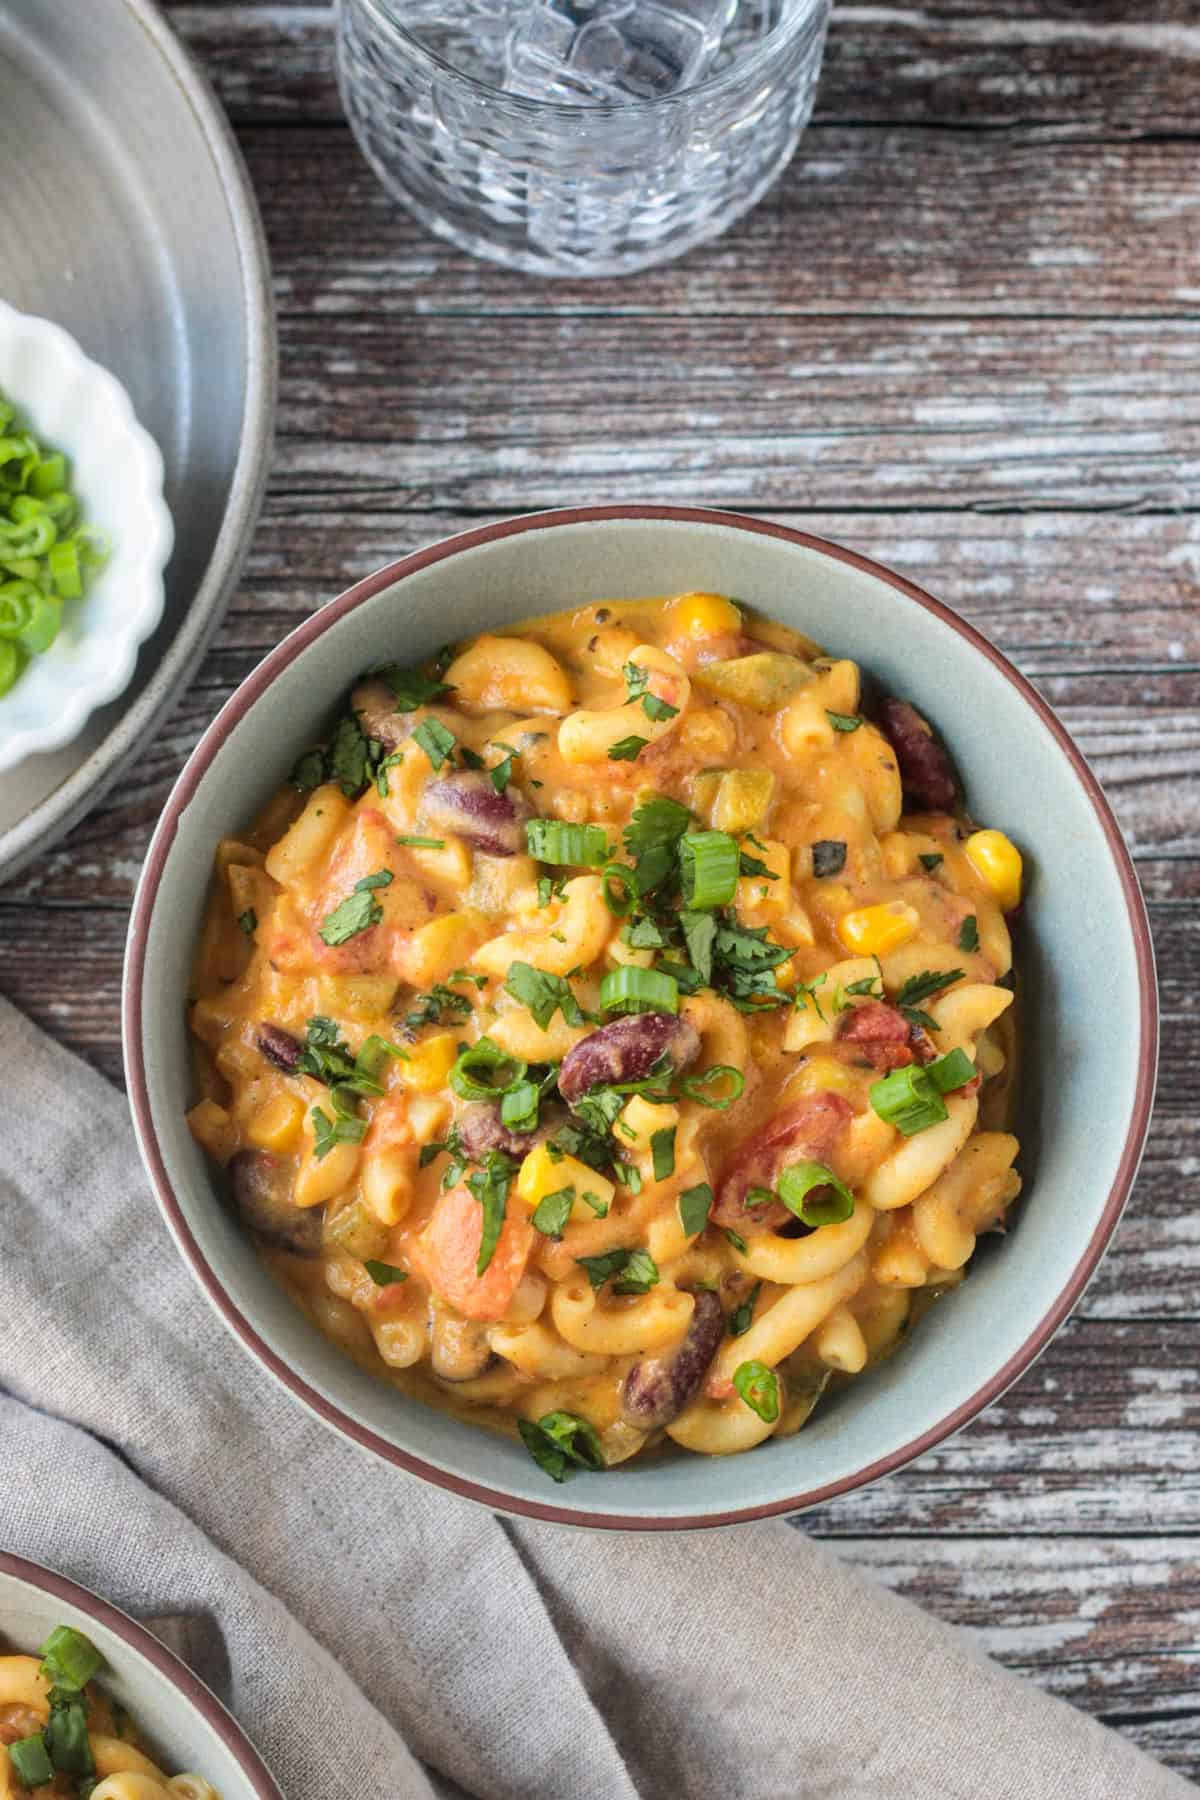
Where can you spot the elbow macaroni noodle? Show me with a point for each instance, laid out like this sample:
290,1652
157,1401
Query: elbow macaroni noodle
885,918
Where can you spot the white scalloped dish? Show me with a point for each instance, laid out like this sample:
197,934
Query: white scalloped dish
116,473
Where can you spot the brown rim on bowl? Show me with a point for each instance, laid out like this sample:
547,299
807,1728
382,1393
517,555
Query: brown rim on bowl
235,709
217,1717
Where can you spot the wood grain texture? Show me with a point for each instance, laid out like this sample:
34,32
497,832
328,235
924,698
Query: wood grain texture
962,336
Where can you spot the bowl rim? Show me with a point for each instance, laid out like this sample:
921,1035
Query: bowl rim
162,843
200,1698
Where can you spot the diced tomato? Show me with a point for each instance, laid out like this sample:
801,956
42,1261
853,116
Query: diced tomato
718,1387
447,1250
879,1033
806,1132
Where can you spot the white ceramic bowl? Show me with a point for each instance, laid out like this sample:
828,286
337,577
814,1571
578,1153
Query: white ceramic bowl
183,1724
116,473
1083,955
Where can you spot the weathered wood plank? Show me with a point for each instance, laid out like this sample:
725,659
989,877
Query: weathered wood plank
864,222
1024,64
1107,1624
528,412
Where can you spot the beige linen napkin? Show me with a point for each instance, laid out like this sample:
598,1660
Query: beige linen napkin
387,1640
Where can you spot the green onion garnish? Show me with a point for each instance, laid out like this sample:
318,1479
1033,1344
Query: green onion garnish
29,1756
571,846
796,1184
619,899
692,1087
908,1100
473,1074
759,1388
421,843
65,1734
628,990
709,863
42,544
742,1316
950,1072
69,1659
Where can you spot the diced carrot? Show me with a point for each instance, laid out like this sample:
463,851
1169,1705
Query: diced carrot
447,1250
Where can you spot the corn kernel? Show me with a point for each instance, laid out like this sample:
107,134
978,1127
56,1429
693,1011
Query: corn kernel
874,930
541,1175
704,615
642,1118
276,1125
996,859
429,1064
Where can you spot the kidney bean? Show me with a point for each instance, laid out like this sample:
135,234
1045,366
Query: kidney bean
657,1388
261,1185
279,1047
806,1132
926,772
627,1050
467,804
375,704
480,1129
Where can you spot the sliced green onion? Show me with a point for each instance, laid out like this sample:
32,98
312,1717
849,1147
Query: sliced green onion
65,1735
629,990
29,1756
17,602
481,1060
49,477
759,1388
798,1181
12,661
692,1087
709,861
908,1100
620,900
30,536
950,1072
43,627
421,843
571,846
69,1659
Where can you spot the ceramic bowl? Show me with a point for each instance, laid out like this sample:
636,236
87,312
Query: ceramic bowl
116,472
1088,996
182,1723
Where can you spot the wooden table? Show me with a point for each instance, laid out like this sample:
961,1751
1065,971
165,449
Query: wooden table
963,335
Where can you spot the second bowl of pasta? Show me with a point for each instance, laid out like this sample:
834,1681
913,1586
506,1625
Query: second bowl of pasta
574,992
91,1703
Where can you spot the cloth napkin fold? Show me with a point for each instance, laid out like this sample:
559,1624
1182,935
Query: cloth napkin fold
385,1639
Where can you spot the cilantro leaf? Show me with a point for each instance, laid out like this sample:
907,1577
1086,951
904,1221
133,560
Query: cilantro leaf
436,740
651,839
968,934
628,749
412,689
931,981
543,994
490,1187
700,935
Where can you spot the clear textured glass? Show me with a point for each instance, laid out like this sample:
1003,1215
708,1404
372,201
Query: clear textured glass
579,137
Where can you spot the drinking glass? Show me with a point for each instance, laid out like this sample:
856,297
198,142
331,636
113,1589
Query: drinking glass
579,137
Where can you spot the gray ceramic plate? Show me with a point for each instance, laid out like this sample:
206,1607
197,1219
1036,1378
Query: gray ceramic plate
181,1721
138,233
1088,1020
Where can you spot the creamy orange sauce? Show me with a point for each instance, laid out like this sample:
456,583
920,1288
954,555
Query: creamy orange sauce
758,734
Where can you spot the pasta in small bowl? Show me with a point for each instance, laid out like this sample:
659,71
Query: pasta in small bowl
607,1026
92,1705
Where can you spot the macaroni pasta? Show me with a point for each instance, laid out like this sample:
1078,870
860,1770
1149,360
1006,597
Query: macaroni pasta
608,1031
